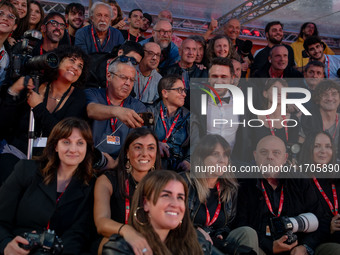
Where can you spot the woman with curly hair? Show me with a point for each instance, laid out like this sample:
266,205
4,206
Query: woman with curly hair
220,46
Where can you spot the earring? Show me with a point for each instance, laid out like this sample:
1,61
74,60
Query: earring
152,168
136,217
128,166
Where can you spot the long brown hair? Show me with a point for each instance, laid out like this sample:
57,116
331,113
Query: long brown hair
50,160
23,24
181,240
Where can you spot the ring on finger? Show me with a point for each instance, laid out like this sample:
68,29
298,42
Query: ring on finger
144,250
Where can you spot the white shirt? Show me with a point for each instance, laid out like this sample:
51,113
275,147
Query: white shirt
223,113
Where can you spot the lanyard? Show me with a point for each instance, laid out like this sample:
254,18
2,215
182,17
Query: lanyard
57,201
127,201
336,125
168,133
328,65
94,39
218,209
129,36
328,201
272,128
2,54
147,84
268,202
113,121
41,50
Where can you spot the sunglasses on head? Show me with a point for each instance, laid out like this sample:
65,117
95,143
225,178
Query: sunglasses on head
125,59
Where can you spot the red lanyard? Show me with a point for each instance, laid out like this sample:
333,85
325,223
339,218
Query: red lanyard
271,72
2,54
94,39
218,209
335,197
168,133
41,50
129,36
57,201
127,201
113,121
147,84
272,128
268,201
336,125
328,71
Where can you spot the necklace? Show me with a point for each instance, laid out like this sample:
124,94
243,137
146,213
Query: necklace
56,99
136,184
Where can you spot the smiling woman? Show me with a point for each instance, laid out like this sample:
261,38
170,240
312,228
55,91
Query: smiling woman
36,15
60,97
23,10
114,189
59,184
160,215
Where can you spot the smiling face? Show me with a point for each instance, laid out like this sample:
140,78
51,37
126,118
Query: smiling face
275,34
71,150
232,29
142,153
7,25
136,19
162,33
313,76
70,69
21,6
35,15
200,52
152,56
219,74
279,58
188,52
75,19
315,51
330,100
322,152
221,48
168,212
173,97
53,34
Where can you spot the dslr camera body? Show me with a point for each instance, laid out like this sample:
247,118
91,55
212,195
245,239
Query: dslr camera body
283,225
45,243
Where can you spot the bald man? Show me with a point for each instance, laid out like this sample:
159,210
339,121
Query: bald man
147,77
269,197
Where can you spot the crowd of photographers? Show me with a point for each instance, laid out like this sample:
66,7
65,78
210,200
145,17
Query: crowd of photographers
102,105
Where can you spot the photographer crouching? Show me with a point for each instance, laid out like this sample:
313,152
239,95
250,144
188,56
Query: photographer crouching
51,102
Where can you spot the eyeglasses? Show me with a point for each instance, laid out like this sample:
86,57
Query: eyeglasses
123,77
9,16
179,90
163,32
152,54
125,59
55,23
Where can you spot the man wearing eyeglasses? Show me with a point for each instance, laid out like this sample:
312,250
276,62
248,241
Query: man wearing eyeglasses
112,109
147,77
8,20
100,36
53,28
161,34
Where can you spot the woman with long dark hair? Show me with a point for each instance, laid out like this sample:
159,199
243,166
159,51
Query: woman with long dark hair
213,196
36,15
114,189
161,216
52,192
23,9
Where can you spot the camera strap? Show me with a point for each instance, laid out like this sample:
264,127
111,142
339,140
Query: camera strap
269,205
218,209
168,133
272,128
334,209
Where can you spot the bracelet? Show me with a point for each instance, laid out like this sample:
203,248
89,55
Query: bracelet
120,228
12,93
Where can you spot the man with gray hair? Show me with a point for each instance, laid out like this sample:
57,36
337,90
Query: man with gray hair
112,109
100,36
161,34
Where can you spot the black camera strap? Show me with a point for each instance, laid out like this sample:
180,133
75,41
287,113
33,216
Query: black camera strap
61,99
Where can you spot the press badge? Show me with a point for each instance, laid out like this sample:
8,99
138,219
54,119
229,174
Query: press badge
40,142
115,140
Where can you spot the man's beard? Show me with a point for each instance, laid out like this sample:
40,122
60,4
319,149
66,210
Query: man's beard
274,41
